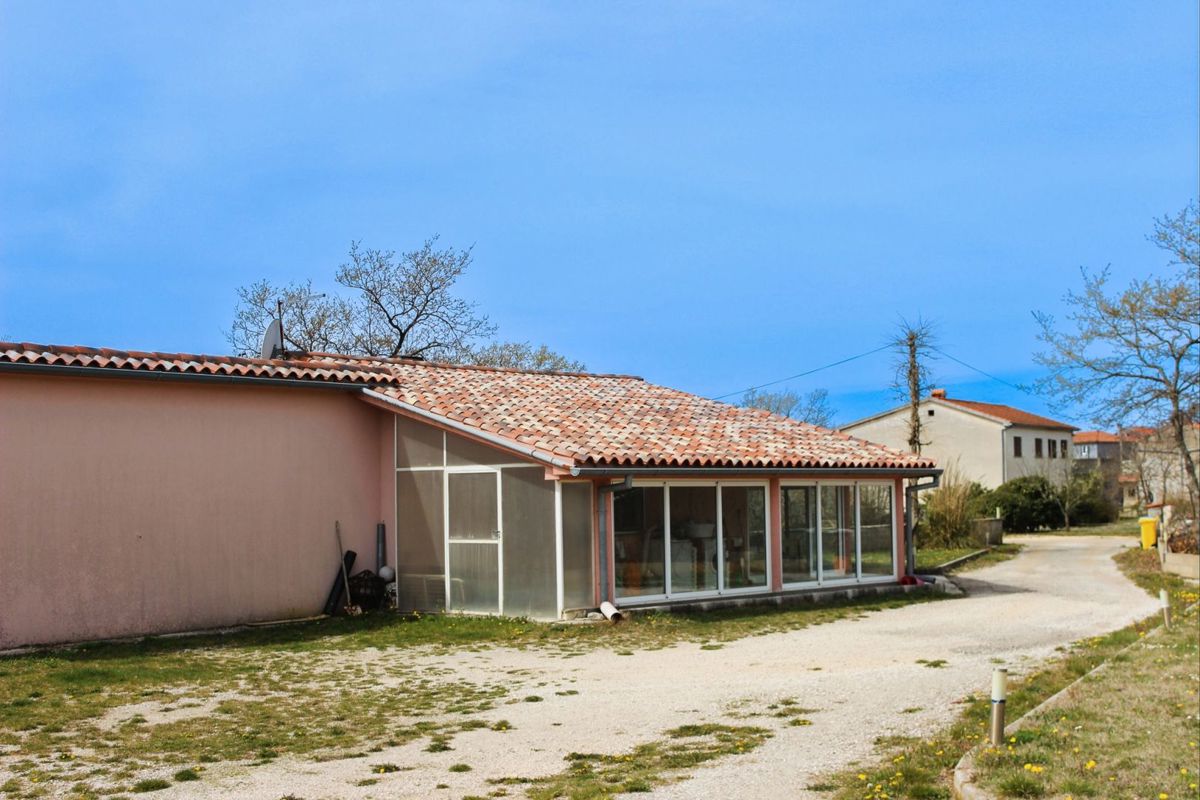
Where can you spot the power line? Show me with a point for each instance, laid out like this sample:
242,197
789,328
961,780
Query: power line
981,372
807,372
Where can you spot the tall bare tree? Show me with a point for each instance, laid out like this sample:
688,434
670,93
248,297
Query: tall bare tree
390,304
1132,356
813,408
913,345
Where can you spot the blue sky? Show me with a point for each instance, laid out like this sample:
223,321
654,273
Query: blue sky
710,195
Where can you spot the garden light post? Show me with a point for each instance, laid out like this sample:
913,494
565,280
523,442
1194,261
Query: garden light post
1165,602
999,695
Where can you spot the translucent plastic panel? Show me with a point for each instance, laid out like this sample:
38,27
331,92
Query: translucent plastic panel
419,541
417,444
461,452
638,542
530,568
578,547
837,532
744,520
799,534
876,527
473,505
474,577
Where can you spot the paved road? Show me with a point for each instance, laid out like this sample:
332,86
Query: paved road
860,675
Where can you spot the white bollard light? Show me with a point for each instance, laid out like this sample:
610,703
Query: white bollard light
1165,601
999,696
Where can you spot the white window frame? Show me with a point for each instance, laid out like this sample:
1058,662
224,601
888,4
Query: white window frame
857,578
498,541
720,590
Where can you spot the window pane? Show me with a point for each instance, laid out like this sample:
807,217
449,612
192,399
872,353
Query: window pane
474,577
693,538
473,505
419,541
579,584
799,534
876,529
744,526
837,532
638,542
530,584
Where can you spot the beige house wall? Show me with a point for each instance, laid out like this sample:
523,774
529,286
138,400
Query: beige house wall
1055,470
133,506
953,437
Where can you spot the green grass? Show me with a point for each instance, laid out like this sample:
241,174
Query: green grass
1122,527
1131,730
921,768
592,776
298,690
933,557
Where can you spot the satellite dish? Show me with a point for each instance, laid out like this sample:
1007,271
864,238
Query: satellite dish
272,345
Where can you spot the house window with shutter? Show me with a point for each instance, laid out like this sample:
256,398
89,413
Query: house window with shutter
1053,447
1016,447
1037,448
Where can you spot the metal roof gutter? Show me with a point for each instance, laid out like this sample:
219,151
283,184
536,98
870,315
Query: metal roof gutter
408,409
894,472
157,375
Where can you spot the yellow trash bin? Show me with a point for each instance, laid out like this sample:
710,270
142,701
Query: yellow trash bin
1149,531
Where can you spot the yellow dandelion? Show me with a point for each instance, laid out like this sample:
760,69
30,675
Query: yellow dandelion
1090,764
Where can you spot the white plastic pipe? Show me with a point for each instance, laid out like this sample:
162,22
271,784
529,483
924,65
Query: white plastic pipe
1165,601
611,612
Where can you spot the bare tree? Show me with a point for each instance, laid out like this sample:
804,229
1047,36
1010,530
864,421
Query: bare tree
913,345
398,304
813,408
406,306
524,356
312,321
1133,356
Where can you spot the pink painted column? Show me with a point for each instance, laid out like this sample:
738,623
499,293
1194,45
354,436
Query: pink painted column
776,535
898,512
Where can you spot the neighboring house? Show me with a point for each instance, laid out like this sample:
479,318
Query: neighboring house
1155,471
148,492
1102,452
988,442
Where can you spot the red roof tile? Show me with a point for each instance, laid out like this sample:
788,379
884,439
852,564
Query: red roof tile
619,420
587,419
320,370
1096,437
1009,414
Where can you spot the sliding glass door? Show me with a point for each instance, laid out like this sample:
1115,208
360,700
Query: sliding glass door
837,532
681,539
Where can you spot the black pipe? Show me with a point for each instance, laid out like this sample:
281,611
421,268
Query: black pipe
380,548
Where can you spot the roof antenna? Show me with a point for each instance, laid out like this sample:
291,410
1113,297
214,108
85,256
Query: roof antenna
272,344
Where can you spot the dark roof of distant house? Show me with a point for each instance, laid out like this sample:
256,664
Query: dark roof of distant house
582,418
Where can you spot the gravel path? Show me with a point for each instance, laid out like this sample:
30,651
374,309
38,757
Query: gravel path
860,676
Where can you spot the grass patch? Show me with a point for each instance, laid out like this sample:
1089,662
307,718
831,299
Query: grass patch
933,557
290,690
185,775
936,663
150,785
920,769
591,776
1122,527
460,767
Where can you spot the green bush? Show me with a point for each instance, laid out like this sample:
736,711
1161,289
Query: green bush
1092,507
1027,504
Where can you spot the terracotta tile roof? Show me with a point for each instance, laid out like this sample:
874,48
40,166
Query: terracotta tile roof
586,419
1096,437
320,370
618,420
1009,414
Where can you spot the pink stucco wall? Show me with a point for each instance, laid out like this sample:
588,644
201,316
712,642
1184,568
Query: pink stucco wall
133,506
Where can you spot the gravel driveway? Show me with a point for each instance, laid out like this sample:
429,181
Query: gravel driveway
860,676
